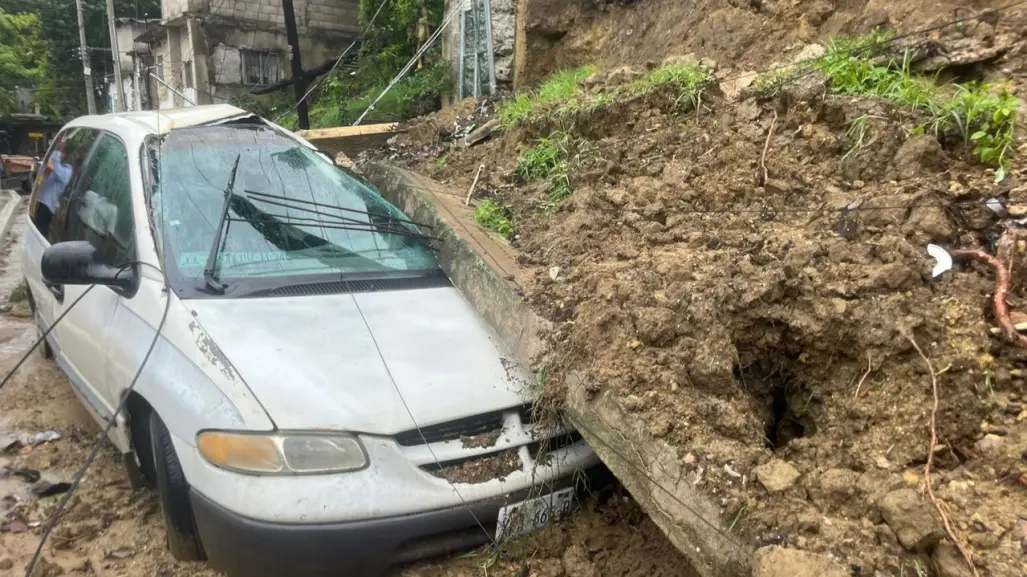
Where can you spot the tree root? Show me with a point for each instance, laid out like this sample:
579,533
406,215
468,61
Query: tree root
930,457
1004,275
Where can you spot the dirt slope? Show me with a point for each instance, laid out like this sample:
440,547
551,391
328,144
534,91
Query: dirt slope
739,34
744,284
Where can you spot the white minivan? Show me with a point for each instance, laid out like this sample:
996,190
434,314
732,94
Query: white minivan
320,399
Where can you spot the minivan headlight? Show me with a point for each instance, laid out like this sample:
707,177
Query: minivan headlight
282,453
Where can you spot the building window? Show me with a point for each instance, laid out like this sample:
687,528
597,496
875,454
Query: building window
260,67
187,74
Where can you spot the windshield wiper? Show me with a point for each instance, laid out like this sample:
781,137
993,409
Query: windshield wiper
392,224
210,273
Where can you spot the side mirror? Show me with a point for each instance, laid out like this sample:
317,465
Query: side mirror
77,262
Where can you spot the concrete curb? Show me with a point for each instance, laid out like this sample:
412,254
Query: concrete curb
7,216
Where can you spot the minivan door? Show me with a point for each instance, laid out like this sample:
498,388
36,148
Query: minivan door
54,181
99,211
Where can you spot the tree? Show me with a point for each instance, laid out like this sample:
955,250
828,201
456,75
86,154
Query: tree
23,57
64,95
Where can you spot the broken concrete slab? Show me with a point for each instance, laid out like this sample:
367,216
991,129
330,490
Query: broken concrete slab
477,263
481,268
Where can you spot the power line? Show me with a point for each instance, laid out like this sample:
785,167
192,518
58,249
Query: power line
338,60
457,7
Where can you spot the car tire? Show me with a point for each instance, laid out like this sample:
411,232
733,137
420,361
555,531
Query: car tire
43,349
183,539
143,475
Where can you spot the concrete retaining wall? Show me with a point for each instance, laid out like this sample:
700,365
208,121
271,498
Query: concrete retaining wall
480,267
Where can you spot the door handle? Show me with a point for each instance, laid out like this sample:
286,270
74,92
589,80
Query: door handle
57,291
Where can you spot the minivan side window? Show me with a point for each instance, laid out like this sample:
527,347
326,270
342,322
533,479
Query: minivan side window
100,207
54,181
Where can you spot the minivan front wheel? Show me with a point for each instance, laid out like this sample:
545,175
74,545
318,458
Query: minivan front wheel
43,349
183,540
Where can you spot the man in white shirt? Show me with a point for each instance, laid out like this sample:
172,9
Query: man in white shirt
58,174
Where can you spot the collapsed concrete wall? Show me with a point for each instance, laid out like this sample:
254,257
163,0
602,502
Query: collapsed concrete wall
480,267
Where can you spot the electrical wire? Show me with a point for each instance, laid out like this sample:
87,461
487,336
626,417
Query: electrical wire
413,419
457,7
55,516
338,61
791,66
42,337
806,210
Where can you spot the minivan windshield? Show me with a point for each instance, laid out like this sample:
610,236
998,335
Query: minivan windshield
290,211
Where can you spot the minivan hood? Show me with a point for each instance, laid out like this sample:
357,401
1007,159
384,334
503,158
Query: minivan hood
312,361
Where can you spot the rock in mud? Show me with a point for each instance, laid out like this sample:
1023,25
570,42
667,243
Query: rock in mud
577,564
547,568
622,75
6,564
777,561
912,519
732,88
45,568
838,482
989,443
918,156
777,475
949,563
655,325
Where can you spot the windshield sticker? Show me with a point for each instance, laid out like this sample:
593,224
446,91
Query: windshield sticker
190,260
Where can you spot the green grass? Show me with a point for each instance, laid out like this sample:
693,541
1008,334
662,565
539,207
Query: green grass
441,162
689,79
545,157
857,133
561,96
982,115
561,87
415,95
494,217
550,160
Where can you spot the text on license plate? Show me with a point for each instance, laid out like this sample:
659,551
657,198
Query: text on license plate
519,519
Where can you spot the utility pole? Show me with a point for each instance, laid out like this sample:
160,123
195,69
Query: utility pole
90,102
300,78
119,91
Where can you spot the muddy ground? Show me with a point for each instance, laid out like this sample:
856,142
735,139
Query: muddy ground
758,310
110,530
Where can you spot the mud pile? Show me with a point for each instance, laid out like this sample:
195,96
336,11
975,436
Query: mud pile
743,287
740,34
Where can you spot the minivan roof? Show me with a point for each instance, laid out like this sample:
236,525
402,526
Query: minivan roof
164,121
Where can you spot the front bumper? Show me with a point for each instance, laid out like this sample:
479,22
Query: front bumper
244,547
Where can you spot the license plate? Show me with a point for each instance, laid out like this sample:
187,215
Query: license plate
525,517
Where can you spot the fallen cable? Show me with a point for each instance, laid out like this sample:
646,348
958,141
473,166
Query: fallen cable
43,336
930,456
51,524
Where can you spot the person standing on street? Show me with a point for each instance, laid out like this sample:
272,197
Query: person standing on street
57,174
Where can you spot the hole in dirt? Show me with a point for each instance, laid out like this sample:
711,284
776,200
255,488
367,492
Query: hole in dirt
782,401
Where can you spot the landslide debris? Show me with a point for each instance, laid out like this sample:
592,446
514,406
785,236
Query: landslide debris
741,273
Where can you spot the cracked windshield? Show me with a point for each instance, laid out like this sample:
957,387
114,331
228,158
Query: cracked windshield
289,210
